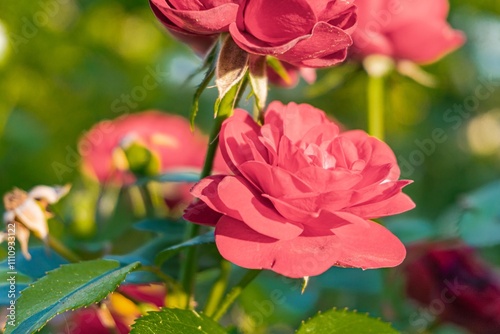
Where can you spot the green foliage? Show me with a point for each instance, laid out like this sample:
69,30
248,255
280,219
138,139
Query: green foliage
172,321
476,217
70,287
344,322
173,250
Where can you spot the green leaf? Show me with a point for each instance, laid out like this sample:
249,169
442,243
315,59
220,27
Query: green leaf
476,218
197,95
278,67
67,288
171,320
146,253
410,230
344,322
174,227
171,251
258,80
170,177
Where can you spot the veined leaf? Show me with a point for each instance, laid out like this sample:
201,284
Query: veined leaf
67,288
172,321
171,251
344,322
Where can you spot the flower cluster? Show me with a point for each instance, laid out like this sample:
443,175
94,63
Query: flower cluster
300,32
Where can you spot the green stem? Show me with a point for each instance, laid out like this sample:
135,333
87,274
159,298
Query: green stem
158,272
376,101
137,200
234,293
62,250
218,289
224,110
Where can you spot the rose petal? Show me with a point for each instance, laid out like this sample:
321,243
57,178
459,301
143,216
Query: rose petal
326,46
206,190
396,203
199,21
278,21
200,213
425,43
31,215
296,258
246,206
294,120
23,236
368,246
274,181
234,136
49,194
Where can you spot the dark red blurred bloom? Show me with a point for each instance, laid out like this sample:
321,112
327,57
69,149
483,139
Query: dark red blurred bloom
454,285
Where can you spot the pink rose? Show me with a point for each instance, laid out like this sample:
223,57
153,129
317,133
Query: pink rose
302,194
167,137
300,32
405,29
196,22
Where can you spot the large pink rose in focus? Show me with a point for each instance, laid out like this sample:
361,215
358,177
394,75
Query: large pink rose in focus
196,22
301,32
302,195
405,29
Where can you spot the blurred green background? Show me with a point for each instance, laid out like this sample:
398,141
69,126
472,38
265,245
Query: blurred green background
66,64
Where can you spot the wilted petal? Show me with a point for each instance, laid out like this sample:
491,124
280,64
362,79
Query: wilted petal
48,194
23,237
31,215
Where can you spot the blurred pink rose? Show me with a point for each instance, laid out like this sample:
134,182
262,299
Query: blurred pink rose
196,22
294,74
454,285
168,137
405,29
300,32
301,195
